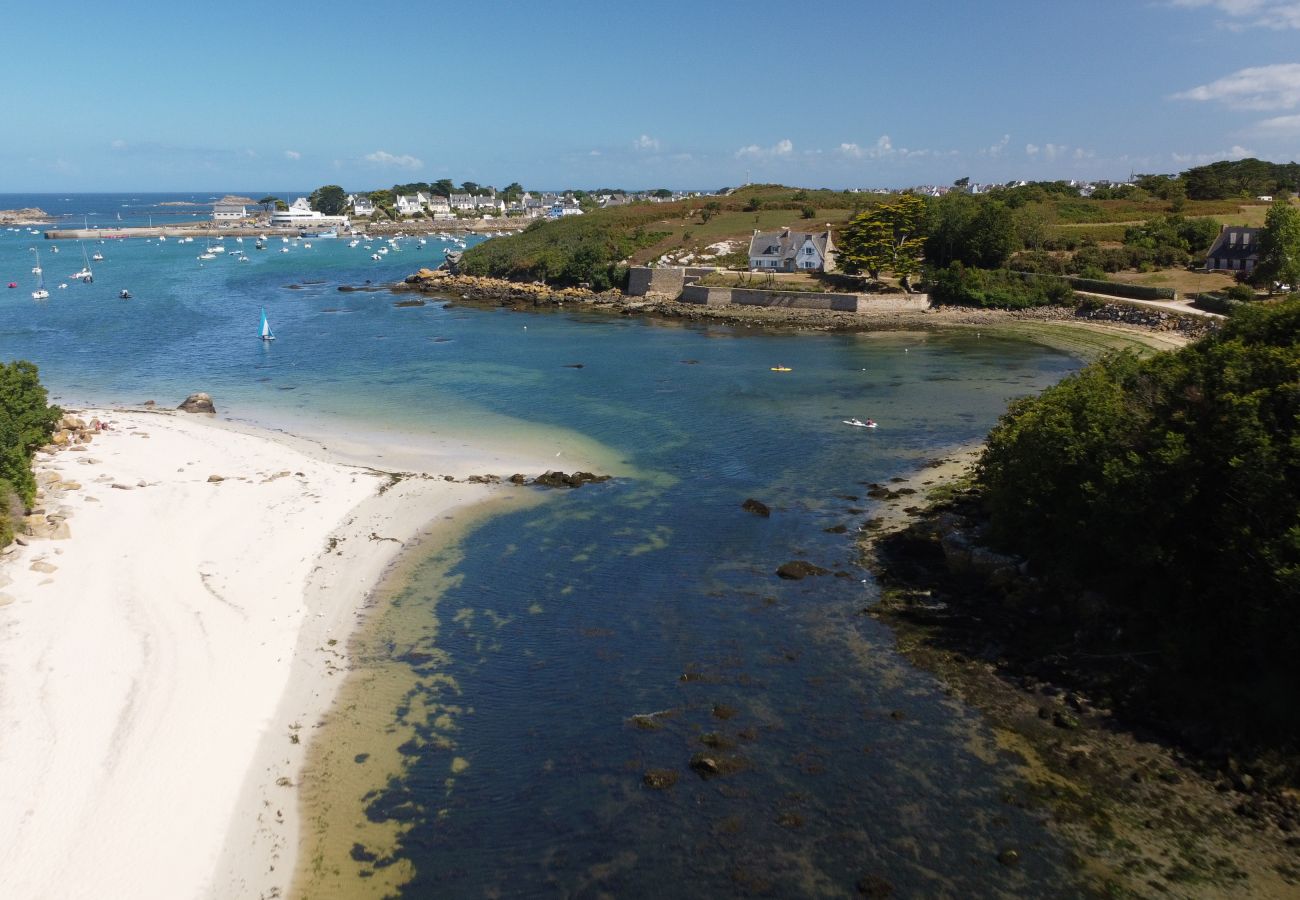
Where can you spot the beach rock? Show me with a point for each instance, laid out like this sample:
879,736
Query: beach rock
1009,858
42,566
518,479
198,403
216,479
560,479
798,568
757,507
5,599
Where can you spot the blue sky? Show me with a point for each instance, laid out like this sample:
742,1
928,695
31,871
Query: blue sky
142,95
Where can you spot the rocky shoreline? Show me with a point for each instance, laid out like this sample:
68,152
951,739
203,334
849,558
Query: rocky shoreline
1145,812
1177,327
28,216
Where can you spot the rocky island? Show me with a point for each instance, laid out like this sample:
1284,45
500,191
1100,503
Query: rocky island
28,216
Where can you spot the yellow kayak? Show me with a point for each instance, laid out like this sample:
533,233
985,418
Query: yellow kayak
782,369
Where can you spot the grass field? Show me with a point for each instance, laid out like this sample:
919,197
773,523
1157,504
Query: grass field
1185,282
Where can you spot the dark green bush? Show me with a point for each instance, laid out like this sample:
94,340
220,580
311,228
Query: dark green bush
996,288
26,423
1171,485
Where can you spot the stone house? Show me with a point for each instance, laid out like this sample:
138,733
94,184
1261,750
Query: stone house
1236,249
792,251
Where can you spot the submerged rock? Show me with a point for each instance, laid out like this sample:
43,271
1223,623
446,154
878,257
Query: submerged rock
659,779
798,568
757,507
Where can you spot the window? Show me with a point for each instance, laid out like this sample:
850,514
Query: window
1245,238
808,251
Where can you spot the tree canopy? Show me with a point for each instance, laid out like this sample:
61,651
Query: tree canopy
1170,487
889,237
329,199
1279,247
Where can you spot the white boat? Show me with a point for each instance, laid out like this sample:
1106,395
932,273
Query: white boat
375,256
216,248
40,293
207,256
266,333
189,240
85,275
63,285
97,256
307,245
284,249
858,423
260,245
353,243
239,240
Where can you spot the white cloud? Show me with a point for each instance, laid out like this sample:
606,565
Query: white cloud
1276,15
782,147
1258,87
883,148
1280,125
118,144
1200,159
594,153
851,150
1031,150
292,154
996,149
384,158
645,143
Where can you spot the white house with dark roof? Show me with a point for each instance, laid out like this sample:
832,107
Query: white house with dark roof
407,205
792,251
362,206
462,201
439,207
1236,249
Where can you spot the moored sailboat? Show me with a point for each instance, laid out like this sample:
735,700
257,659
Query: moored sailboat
266,333
40,293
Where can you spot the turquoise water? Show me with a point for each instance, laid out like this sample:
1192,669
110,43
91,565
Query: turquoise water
653,593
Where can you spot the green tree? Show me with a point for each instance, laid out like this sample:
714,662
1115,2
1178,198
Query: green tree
661,193
267,202
889,237
512,192
329,199
26,423
470,187
443,187
1279,247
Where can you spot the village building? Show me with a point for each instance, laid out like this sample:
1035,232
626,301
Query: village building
228,212
408,204
792,251
300,214
362,206
1236,249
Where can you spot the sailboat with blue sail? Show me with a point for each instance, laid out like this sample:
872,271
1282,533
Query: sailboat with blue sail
266,333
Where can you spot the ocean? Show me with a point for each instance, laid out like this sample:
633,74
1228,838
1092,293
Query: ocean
537,670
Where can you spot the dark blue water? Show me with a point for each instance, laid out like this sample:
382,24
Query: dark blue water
550,629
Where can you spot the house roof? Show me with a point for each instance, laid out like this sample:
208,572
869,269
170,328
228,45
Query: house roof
1232,243
785,244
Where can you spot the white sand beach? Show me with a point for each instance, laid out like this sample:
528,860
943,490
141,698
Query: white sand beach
157,665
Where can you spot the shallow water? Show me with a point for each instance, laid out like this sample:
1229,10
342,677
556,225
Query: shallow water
518,660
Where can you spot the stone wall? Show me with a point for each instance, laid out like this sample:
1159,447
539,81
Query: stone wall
642,280
720,296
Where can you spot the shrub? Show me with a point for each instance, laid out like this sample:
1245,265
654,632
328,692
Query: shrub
809,212
1170,486
997,288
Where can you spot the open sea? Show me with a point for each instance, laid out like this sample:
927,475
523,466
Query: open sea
517,661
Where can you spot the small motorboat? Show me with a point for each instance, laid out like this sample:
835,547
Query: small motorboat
782,369
858,423
124,294
13,284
